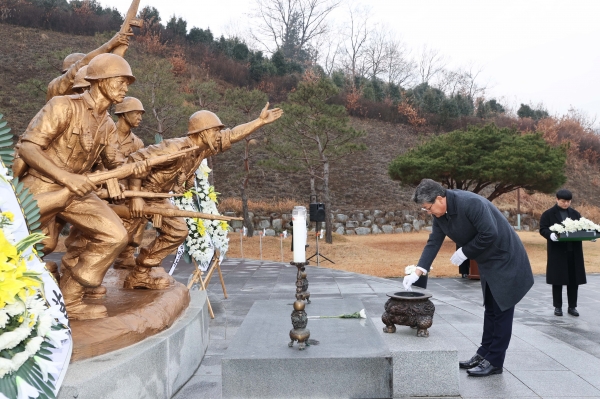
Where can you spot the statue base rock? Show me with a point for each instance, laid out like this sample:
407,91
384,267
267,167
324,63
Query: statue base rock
133,315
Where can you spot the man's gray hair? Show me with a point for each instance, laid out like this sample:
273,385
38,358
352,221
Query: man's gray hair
427,191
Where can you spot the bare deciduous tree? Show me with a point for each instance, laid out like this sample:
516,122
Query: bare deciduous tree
400,69
450,81
376,52
330,55
430,64
471,86
356,36
291,25
462,81
160,93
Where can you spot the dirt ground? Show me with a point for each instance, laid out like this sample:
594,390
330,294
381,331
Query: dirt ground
383,255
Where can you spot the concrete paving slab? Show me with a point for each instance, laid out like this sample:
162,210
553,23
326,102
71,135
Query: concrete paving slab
568,341
351,359
201,386
503,385
532,361
558,383
211,365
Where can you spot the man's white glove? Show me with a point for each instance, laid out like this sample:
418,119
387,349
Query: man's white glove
410,280
553,237
458,258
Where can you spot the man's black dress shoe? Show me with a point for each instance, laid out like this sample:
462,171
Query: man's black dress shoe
573,311
472,362
484,369
558,311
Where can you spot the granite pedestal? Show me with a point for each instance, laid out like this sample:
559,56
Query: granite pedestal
351,359
422,366
156,367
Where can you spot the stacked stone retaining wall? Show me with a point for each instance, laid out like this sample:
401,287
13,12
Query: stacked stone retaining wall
366,221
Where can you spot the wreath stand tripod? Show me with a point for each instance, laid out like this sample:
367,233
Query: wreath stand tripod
197,278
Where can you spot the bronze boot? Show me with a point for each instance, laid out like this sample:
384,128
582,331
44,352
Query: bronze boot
95,292
53,269
125,260
124,263
73,295
140,277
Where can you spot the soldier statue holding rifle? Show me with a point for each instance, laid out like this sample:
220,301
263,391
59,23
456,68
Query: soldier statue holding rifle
206,133
62,143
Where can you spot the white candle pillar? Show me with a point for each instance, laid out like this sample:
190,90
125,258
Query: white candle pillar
299,231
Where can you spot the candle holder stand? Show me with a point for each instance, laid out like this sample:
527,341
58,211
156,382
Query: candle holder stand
299,318
301,282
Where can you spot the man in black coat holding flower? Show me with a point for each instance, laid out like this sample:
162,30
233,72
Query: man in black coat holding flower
565,259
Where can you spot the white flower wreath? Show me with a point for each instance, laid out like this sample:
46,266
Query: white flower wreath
28,326
204,235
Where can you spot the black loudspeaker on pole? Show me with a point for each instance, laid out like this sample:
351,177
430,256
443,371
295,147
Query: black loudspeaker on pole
317,212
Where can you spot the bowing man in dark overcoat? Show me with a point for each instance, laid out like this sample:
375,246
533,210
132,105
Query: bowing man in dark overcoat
483,234
565,264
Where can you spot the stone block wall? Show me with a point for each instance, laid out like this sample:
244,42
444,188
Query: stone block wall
366,221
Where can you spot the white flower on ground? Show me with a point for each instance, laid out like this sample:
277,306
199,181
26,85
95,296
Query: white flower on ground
363,314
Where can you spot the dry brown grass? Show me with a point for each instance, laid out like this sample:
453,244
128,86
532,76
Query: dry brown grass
382,255
537,203
534,204
387,255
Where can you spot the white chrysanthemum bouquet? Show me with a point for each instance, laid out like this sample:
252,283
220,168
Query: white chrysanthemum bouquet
28,329
204,235
570,226
576,230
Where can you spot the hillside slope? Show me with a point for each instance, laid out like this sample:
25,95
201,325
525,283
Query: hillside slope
30,58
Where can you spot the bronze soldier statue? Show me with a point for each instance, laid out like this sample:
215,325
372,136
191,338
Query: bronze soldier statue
62,142
205,131
130,113
80,84
63,84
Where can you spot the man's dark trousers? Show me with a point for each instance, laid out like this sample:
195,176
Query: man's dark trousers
497,330
572,287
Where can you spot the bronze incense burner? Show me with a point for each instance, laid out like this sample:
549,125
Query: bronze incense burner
408,308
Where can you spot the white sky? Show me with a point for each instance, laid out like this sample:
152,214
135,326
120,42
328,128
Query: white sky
531,51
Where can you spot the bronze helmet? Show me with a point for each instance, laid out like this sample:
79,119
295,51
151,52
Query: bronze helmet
203,120
129,104
109,65
70,60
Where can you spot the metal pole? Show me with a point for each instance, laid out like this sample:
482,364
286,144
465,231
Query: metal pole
260,238
518,209
242,242
317,235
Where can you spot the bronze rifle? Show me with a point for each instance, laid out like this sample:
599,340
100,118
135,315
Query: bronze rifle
52,202
129,21
124,213
103,193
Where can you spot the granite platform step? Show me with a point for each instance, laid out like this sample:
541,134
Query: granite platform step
351,359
